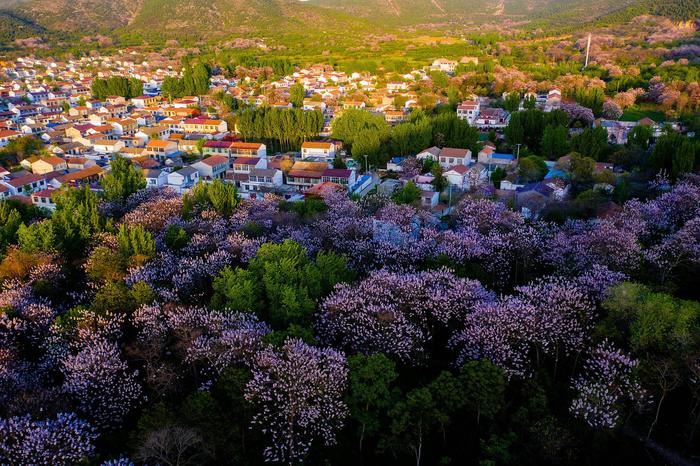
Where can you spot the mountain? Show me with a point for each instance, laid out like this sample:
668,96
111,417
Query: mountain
219,19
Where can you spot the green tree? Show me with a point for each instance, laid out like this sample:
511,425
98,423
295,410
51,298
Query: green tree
683,159
176,237
122,180
483,387
532,168
297,93
135,243
511,102
408,194
554,142
370,387
581,171
439,182
281,284
498,175
639,136
217,195
76,219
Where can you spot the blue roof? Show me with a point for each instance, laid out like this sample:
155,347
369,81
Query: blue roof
496,155
397,160
556,173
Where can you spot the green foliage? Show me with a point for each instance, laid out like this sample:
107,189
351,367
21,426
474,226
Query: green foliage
511,102
652,323
288,127
176,237
592,98
408,194
450,131
297,94
370,392
357,124
37,237
498,175
122,180
76,219
592,142
217,195
412,136
135,241
554,142
532,168
581,171
439,182
674,154
20,148
281,283
194,81
482,387
639,136
10,222
118,86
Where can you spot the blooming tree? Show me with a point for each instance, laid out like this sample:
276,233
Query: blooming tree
101,384
298,395
64,441
608,380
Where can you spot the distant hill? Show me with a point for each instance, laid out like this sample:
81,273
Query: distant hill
218,19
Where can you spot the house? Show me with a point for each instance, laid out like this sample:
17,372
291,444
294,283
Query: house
303,174
204,125
184,179
395,164
395,116
429,199
79,163
469,110
44,198
161,150
212,167
430,153
144,101
82,177
444,65
249,149
263,180
492,118
339,176
487,156
244,165
7,135
155,178
25,183
48,164
321,150
449,157
108,146
217,147
152,132
532,198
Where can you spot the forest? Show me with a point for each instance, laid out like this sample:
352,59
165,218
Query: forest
144,327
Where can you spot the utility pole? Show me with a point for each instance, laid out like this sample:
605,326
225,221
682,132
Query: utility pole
366,164
517,156
588,49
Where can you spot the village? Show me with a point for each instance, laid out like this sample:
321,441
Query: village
180,142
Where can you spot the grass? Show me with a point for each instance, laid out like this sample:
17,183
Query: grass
638,112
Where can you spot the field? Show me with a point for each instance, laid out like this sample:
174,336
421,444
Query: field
638,112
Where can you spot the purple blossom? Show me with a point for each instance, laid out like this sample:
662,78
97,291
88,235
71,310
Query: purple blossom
100,383
298,394
205,340
66,440
607,381
397,313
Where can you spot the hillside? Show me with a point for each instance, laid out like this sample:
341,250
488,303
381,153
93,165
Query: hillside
220,19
